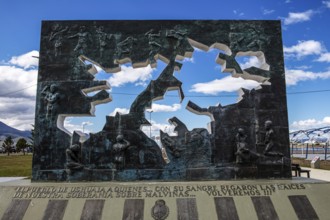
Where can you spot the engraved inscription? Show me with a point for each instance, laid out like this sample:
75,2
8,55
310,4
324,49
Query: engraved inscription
158,191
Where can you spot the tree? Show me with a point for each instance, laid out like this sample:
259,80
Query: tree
21,145
8,144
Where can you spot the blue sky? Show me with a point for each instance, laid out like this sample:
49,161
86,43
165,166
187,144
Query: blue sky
306,48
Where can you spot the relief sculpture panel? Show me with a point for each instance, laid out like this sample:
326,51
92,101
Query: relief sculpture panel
248,139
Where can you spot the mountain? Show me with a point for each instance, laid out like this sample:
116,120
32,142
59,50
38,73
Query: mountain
6,131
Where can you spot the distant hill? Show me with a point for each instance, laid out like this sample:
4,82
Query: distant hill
6,131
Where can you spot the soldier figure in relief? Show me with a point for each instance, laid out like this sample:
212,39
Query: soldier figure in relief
73,157
51,98
57,36
119,151
242,152
83,38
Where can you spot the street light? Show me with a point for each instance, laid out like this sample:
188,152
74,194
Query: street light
83,126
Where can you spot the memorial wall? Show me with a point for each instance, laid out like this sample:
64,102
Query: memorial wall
248,139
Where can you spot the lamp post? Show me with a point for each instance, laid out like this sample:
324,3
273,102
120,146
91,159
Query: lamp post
83,126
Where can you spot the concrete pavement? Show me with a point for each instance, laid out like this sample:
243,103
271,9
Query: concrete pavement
8,179
318,174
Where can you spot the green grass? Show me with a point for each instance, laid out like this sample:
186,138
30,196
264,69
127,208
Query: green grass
16,165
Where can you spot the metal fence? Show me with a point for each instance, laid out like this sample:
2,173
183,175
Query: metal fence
308,151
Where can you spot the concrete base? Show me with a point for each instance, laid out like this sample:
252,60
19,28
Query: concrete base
246,199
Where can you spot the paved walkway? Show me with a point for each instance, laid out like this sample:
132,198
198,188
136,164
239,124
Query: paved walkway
7,179
317,174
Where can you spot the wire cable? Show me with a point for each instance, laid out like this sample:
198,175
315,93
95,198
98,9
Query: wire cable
16,91
190,96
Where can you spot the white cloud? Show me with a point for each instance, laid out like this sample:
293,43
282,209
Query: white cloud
249,62
326,3
237,12
128,74
298,17
14,79
17,112
87,123
188,60
268,12
325,57
83,126
156,127
304,67
304,48
18,91
165,108
71,126
310,123
119,110
294,76
26,60
155,108
226,84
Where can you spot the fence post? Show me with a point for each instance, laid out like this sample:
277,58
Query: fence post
326,151
313,148
306,152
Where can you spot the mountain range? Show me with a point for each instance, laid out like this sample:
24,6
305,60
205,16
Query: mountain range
6,131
